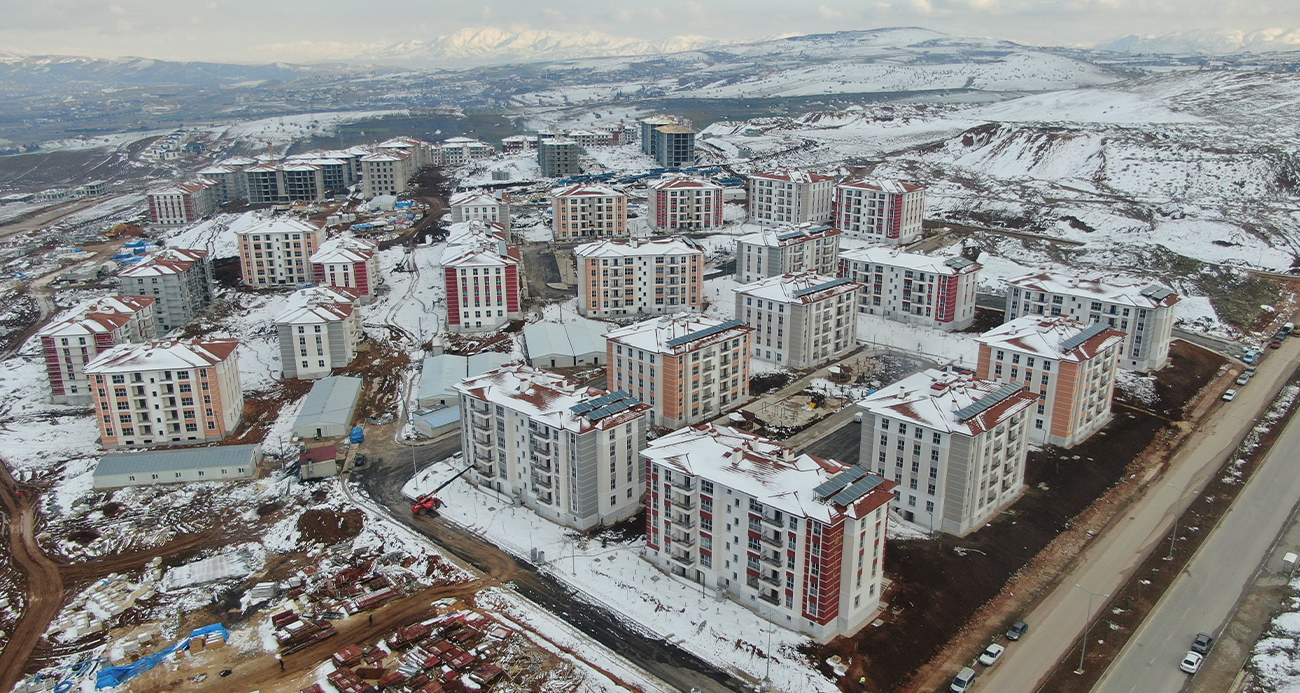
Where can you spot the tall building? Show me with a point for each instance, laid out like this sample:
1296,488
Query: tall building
585,211
876,209
558,157
1069,364
420,152
182,203
277,251
811,531
800,320
458,151
472,205
318,331
913,288
566,451
955,445
179,280
790,196
674,146
285,183
639,277
684,203
689,368
349,263
482,288
228,178
166,392
798,248
1144,311
68,345
386,173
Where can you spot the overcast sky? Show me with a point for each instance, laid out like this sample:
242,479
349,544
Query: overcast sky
257,30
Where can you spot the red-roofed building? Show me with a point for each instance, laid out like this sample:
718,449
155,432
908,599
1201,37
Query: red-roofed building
789,196
684,203
68,345
179,280
877,209
183,203
482,286
796,538
349,263
588,211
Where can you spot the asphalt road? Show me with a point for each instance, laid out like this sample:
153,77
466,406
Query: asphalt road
1057,621
1205,594
841,444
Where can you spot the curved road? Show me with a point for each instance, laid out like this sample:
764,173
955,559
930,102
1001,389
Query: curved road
44,584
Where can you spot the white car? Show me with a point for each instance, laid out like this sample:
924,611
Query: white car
1229,395
1192,662
992,655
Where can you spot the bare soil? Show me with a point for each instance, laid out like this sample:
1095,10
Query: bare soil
328,527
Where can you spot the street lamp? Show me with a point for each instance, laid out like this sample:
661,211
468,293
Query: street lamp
1087,621
1173,537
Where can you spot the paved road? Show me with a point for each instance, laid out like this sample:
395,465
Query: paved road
1057,621
1223,346
1205,594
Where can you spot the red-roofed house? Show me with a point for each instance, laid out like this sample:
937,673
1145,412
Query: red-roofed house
68,345
349,263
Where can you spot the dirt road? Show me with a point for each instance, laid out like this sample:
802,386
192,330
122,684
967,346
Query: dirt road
44,584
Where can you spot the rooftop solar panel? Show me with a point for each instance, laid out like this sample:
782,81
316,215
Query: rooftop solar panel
857,490
706,332
1157,292
1091,331
822,287
980,405
837,483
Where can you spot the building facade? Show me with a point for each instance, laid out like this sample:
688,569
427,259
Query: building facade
183,203
285,183
318,331
277,252
875,209
558,157
476,205
568,452
161,393
639,277
458,151
954,445
800,320
1069,364
913,288
799,248
179,280
688,368
585,211
482,288
790,196
1143,311
674,145
68,345
807,533
684,203
348,262
386,173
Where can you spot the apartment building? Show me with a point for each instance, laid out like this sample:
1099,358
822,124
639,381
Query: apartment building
482,288
477,205
567,452
285,183
876,209
669,139
684,203
1143,311
688,368
458,151
811,530
639,277
69,344
1070,365
800,320
179,280
277,251
161,393
790,196
228,178
518,144
182,203
795,248
419,152
557,157
585,211
386,173
956,446
319,330
348,262
913,288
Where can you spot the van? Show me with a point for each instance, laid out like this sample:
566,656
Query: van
1288,327
963,680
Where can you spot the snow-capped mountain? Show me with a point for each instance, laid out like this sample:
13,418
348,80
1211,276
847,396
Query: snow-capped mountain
1207,42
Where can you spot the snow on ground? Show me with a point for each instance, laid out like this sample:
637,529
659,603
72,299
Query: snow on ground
1135,387
286,129
1276,658
521,168
618,579
36,435
112,207
215,235
721,295
876,331
112,141
414,301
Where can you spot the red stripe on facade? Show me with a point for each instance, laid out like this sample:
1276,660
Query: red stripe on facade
453,296
512,289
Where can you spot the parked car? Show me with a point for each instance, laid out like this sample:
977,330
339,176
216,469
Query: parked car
1248,357
1251,370
1243,378
1288,327
1201,643
1275,344
1229,395
1017,629
961,683
992,654
1191,662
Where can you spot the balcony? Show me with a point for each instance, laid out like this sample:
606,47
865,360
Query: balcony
773,539
771,598
486,471
772,560
480,421
540,448
686,558
684,504
776,520
542,482
773,579
684,484
544,497
480,407
683,540
541,465
482,439
483,454
684,521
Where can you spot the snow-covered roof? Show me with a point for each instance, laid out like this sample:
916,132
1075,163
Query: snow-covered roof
178,460
798,287
186,188
885,185
943,402
680,182
164,355
575,338
1058,337
479,257
885,255
586,190
237,161
552,399
317,305
792,175
636,247
440,374
167,261
102,316
462,140
766,471
387,155
278,224
345,249
330,403
1099,287
473,197
558,141
674,334
788,235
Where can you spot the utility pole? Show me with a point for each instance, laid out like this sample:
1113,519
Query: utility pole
1174,536
1087,621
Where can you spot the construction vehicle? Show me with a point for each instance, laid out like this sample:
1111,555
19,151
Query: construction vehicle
430,501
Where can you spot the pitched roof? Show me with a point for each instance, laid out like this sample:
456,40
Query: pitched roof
792,175
893,257
677,333
885,185
162,355
939,401
548,398
788,235
633,247
586,190
1058,337
1101,287
680,182
345,249
178,459
798,287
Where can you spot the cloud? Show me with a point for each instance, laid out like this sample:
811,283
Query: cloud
922,6
830,13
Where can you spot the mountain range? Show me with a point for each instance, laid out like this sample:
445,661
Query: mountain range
1207,42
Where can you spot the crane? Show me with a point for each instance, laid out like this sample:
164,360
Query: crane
430,501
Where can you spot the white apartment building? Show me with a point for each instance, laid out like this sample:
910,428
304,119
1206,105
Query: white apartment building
277,251
1070,364
1144,311
913,288
457,151
800,320
386,173
794,248
639,277
807,534
318,331
69,344
182,203
954,445
348,262
684,203
790,196
567,452
477,205
179,280
161,393
585,211
482,288
876,209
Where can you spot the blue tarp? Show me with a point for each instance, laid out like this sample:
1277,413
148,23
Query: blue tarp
357,436
116,676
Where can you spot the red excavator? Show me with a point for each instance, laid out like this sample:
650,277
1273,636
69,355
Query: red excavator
430,501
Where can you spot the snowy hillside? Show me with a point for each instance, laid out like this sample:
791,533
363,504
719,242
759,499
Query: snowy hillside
1207,42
